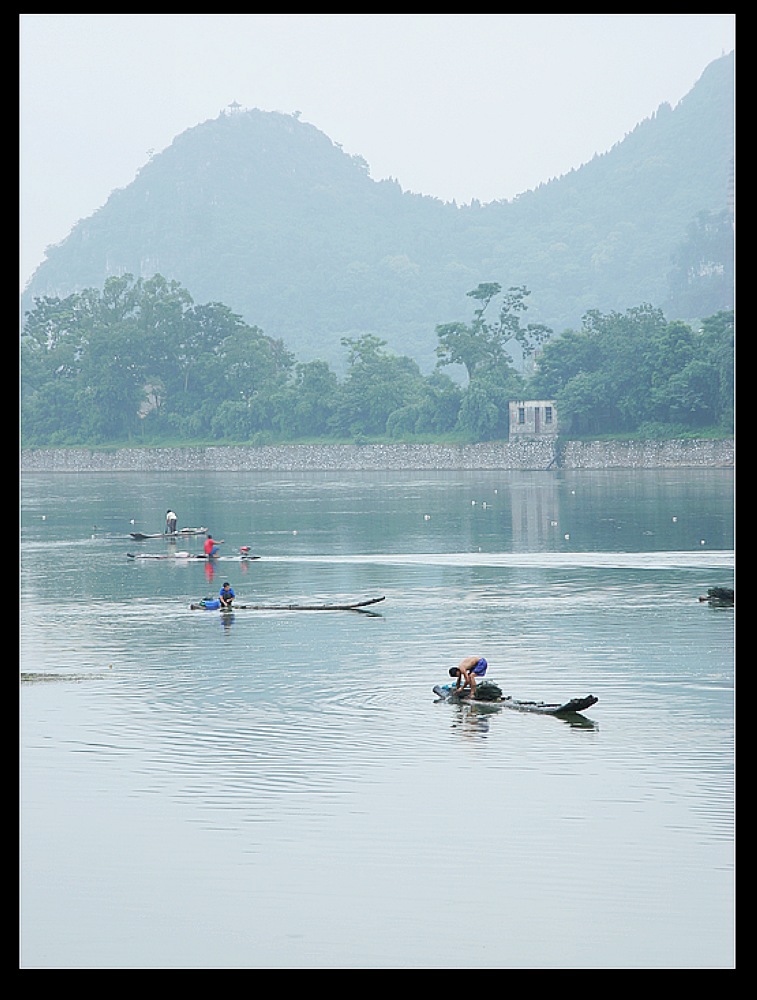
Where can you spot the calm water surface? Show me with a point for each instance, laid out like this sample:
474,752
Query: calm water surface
283,790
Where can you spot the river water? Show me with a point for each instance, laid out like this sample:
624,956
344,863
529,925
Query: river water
282,789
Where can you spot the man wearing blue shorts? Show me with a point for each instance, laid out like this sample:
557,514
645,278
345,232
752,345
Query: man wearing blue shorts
467,671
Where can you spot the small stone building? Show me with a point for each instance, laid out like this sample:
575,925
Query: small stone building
531,418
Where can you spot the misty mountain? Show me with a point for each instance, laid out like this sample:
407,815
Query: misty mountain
265,214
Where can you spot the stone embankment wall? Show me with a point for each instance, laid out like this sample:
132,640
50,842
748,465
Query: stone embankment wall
647,455
535,455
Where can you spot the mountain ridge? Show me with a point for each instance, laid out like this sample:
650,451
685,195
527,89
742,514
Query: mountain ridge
268,215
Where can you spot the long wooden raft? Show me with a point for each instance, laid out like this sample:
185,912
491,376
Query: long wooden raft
356,606
140,536
490,693
190,557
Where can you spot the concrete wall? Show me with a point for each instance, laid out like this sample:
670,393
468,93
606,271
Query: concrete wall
526,455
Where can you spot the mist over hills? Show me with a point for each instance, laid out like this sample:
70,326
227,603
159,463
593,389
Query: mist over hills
265,214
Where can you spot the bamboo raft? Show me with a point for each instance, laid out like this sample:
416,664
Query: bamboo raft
491,694
215,605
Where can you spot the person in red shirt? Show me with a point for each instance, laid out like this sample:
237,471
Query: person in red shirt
211,546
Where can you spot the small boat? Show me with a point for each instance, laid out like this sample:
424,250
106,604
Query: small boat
490,693
213,604
139,536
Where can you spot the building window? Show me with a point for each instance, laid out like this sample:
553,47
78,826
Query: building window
521,414
547,414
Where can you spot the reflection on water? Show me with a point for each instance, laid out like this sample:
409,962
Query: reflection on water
475,718
282,789
536,514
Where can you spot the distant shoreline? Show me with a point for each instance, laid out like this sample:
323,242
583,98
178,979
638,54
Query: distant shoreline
532,456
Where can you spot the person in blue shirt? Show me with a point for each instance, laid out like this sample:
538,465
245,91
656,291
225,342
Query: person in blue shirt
226,595
467,671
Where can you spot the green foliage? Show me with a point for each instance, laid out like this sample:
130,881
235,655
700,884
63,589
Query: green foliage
481,345
631,372
435,412
140,361
481,348
377,384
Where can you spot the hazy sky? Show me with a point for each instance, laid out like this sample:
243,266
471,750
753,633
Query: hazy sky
457,106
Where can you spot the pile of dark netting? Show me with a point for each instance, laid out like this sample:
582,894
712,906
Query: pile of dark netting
488,691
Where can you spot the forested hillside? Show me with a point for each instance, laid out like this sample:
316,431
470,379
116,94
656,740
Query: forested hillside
265,214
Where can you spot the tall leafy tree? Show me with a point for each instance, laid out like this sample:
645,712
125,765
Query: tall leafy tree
481,347
377,383
480,344
113,366
163,310
624,371
255,367
51,343
435,412
305,406
719,348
